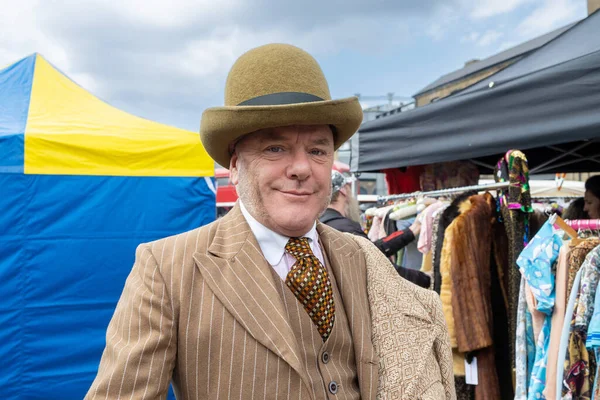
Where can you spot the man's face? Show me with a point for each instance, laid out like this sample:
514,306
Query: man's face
283,176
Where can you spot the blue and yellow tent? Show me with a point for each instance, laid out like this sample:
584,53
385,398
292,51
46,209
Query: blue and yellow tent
81,185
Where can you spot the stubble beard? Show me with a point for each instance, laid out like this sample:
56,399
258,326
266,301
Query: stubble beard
250,195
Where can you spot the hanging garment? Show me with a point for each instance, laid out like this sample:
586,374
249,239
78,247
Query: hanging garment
477,302
500,246
577,258
593,336
447,290
427,268
463,391
538,318
403,212
446,219
535,264
410,257
382,225
515,206
449,175
405,180
436,249
389,225
374,232
580,364
558,319
593,340
524,352
531,345
424,243
565,335
458,358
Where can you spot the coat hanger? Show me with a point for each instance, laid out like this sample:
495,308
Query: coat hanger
572,233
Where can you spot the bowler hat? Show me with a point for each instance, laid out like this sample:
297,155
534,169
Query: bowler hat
273,86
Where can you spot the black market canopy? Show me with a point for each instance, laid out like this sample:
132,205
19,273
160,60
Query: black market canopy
546,104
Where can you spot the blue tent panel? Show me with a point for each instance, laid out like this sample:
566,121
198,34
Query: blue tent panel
11,354
67,245
15,92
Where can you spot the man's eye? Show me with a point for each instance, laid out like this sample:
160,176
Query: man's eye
317,152
275,149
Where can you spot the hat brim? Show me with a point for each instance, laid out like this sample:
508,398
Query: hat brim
221,126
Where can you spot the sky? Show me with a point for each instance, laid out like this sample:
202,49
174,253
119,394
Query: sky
168,60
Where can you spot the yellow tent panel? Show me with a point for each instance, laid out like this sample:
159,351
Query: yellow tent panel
70,131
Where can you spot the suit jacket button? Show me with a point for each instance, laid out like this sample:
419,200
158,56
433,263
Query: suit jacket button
333,387
325,357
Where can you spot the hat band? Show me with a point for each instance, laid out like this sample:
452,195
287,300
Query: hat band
282,98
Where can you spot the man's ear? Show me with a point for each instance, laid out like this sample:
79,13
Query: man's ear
233,168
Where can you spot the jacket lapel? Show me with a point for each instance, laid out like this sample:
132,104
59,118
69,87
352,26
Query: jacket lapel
237,272
351,280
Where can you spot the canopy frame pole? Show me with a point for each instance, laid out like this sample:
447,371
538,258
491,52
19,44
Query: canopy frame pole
593,159
482,164
556,148
560,156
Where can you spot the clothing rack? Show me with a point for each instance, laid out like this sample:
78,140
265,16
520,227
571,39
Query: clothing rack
553,198
583,224
443,192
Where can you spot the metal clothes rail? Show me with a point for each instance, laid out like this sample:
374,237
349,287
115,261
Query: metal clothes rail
583,224
444,192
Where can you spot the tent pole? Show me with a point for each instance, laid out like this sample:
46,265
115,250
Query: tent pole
593,159
566,153
482,164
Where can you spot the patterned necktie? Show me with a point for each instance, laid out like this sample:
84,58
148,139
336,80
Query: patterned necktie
309,281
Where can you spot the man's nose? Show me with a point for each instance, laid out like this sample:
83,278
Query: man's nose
299,167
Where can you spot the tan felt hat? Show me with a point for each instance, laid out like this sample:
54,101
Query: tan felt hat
272,86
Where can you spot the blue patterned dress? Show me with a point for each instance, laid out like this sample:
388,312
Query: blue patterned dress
535,263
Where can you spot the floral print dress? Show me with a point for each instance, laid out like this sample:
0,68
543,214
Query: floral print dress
580,363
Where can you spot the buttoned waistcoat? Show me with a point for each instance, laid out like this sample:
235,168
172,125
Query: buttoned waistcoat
201,309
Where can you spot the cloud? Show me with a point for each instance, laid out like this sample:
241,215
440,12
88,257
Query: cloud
436,31
443,19
471,37
552,14
489,38
168,60
490,8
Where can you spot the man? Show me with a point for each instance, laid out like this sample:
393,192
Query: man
337,216
266,303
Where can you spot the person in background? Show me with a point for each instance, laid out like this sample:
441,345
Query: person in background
338,216
592,197
575,210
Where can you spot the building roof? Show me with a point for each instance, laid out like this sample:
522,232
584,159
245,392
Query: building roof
514,52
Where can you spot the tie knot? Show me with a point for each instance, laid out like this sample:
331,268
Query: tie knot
299,248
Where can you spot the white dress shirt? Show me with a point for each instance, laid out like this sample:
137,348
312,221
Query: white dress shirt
273,244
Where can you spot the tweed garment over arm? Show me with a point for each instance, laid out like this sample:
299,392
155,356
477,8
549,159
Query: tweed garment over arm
409,334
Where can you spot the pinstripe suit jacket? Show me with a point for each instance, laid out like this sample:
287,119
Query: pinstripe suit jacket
201,309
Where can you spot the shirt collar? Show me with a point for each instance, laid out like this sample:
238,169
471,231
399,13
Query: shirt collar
272,243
